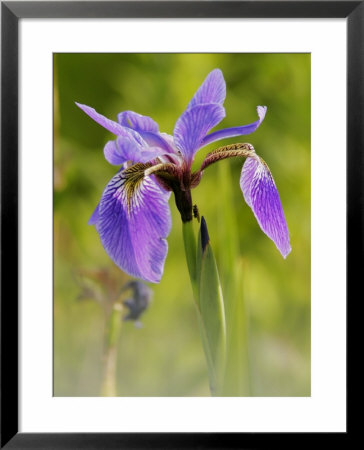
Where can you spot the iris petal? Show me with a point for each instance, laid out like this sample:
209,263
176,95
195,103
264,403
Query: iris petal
110,125
137,121
146,127
125,148
212,90
236,131
193,125
261,194
133,228
130,144
95,216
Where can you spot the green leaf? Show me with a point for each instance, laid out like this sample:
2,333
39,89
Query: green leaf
211,308
237,375
208,300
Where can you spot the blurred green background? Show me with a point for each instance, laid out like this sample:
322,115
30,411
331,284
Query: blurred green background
165,357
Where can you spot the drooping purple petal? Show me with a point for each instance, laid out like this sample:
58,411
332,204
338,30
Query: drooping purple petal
193,125
212,90
261,194
137,121
95,216
133,228
247,174
236,131
110,125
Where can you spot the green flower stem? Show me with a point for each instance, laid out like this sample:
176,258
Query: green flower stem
189,241
112,332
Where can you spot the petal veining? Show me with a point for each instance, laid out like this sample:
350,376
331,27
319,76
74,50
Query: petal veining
193,125
212,90
261,194
133,222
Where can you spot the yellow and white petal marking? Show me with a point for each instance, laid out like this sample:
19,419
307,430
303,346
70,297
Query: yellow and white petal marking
131,186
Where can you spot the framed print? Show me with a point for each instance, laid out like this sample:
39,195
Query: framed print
181,193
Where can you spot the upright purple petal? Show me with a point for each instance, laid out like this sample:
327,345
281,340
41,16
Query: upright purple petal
137,121
127,149
261,194
193,125
212,90
147,128
157,140
236,131
110,125
113,155
133,229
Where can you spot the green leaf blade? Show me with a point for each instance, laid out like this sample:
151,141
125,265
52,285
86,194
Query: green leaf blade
211,306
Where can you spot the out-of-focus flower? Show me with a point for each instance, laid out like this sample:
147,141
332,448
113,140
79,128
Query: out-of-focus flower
139,300
133,217
108,288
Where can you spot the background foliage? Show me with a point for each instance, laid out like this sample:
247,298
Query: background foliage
165,357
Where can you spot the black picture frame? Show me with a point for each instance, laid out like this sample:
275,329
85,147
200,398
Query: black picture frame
11,12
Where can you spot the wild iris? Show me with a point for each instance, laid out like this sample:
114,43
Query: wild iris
133,217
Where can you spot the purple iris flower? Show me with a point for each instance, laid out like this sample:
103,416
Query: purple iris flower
133,217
